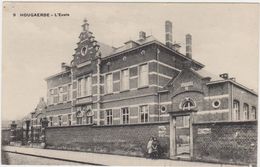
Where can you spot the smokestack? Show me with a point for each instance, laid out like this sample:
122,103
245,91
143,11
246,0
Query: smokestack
189,46
63,66
142,35
168,33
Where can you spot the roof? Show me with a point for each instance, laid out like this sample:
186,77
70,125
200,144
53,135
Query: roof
57,74
235,83
109,51
105,49
138,42
204,74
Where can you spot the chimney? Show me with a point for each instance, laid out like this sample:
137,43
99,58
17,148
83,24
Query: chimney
176,47
233,79
189,46
142,35
224,75
168,33
63,66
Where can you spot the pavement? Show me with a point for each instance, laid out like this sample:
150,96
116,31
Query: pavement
104,159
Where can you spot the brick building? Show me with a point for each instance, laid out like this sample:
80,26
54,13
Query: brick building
142,82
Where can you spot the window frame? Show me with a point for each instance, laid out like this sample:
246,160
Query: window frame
69,120
122,116
69,92
60,120
88,85
139,75
106,83
109,117
145,112
236,113
251,113
127,80
246,111
51,121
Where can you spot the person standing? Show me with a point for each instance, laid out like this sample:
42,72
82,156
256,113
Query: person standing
149,147
154,153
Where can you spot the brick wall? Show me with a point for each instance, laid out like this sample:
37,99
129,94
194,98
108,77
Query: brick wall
116,139
225,142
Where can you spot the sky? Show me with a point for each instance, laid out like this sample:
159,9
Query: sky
224,38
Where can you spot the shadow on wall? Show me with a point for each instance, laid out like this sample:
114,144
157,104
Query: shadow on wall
122,140
118,148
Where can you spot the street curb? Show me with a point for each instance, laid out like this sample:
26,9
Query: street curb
61,159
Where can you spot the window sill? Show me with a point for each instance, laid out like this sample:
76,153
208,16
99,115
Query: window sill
122,91
108,94
84,97
143,87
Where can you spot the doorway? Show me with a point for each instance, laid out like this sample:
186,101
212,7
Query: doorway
182,136
181,143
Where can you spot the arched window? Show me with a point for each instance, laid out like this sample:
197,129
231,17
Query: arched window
188,104
253,113
89,117
79,116
246,111
236,110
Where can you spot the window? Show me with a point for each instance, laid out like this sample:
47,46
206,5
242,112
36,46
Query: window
143,75
125,115
125,79
109,83
88,86
246,111
144,113
60,94
51,122
109,117
79,116
55,99
253,113
59,119
69,119
188,104
55,91
69,92
80,87
51,96
236,110
89,120
89,117
56,96
186,121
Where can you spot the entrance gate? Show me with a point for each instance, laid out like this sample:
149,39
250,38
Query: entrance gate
183,136
181,143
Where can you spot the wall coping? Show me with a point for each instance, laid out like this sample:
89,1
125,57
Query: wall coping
105,126
227,123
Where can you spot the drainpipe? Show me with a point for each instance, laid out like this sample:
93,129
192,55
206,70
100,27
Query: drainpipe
159,95
98,90
232,99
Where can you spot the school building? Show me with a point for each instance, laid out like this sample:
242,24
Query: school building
142,83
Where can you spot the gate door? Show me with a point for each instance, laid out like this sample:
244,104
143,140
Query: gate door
183,136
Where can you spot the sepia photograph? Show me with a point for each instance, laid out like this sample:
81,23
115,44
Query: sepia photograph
130,84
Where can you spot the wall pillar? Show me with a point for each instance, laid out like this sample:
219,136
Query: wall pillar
27,128
43,131
173,148
191,134
13,132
